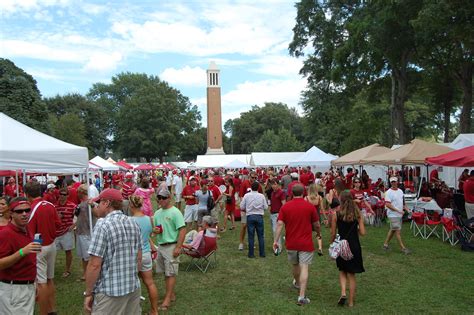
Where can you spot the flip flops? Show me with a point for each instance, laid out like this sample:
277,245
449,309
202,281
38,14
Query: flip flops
66,274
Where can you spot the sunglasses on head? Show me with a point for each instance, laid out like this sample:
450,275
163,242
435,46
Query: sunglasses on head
161,198
21,211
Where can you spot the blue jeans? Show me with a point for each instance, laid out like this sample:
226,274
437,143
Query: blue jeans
255,222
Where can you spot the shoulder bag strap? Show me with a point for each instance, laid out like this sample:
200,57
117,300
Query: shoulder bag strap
36,208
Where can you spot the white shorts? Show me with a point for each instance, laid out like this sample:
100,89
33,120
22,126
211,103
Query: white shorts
177,197
147,262
65,241
191,213
45,261
17,298
82,246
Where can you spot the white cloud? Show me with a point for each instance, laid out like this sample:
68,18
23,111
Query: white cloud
102,62
186,76
12,6
22,48
278,65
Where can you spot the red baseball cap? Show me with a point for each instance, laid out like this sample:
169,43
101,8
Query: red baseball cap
109,194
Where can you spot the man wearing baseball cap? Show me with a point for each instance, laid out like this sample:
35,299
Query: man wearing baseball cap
18,261
170,232
112,283
395,206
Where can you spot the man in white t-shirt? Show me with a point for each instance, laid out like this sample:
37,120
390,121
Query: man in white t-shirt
395,206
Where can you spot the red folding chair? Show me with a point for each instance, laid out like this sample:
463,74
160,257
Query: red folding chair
432,223
205,255
449,230
418,223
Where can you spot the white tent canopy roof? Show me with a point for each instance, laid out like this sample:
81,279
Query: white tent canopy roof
462,141
273,158
236,164
220,160
314,157
22,147
104,164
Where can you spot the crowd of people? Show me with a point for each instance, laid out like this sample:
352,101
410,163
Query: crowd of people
119,235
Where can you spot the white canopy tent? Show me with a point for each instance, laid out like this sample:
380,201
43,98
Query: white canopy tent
264,159
219,160
25,148
104,164
314,157
237,164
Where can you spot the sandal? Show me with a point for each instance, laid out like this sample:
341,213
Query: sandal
320,252
67,274
342,300
163,307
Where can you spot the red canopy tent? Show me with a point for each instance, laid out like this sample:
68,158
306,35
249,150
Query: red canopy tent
170,166
459,158
145,167
161,166
124,164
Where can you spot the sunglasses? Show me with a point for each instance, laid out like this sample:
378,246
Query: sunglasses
356,182
161,198
21,211
63,194
253,177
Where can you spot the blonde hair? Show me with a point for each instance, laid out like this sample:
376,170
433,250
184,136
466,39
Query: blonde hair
349,211
136,201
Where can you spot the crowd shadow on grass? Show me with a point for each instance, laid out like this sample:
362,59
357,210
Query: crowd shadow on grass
435,279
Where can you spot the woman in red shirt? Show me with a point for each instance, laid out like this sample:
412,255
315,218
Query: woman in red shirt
229,198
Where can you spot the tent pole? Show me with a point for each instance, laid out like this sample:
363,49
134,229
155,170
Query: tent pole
88,205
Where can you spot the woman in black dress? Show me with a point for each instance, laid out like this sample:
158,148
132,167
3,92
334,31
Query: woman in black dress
349,224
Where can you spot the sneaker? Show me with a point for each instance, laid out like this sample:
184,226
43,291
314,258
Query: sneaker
303,301
406,251
385,247
241,246
297,287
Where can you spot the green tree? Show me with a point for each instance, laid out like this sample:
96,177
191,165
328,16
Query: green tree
246,130
93,116
69,128
20,98
149,118
445,47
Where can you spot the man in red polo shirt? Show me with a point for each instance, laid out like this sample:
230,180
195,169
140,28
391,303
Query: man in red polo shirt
72,192
468,188
65,234
18,262
300,220
45,220
10,188
189,196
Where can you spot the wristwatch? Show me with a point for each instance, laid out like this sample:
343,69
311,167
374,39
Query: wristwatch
87,294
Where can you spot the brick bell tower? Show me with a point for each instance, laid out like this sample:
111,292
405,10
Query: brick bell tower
214,116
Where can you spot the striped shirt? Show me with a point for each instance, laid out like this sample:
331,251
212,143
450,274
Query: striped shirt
128,188
117,240
66,214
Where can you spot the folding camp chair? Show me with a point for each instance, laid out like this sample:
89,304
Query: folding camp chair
432,223
418,223
205,255
449,230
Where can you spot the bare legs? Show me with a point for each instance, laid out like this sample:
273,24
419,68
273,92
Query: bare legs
170,283
397,235
300,273
46,297
147,278
68,261
343,276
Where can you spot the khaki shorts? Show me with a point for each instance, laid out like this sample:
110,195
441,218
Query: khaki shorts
243,217
395,224
147,262
299,257
45,261
17,298
82,246
165,262
127,304
65,241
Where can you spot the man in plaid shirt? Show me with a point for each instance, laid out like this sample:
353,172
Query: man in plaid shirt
112,284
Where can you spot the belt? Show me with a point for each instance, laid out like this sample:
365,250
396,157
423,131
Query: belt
18,281
164,244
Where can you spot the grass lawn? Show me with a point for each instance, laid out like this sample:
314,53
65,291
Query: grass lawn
435,279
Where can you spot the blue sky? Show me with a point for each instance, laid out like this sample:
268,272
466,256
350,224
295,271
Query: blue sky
69,45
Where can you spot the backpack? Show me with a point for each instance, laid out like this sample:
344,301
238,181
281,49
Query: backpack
210,202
